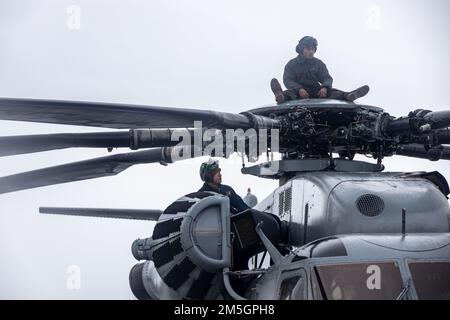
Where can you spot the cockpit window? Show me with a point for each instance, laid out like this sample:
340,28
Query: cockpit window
332,247
431,279
292,288
357,281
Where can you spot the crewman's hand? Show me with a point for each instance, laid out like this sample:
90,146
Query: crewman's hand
323,93
303,93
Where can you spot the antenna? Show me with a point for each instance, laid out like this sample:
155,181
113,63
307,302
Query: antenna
404,222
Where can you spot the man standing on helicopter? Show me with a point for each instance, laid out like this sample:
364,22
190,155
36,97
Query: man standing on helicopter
307,77
210,174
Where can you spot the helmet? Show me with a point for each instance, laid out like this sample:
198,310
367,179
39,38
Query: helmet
208,168
306,42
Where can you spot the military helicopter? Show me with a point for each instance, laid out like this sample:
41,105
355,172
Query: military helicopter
336,228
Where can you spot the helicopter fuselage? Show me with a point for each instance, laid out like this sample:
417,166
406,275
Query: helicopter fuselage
359,236
361,267
327,203
343,235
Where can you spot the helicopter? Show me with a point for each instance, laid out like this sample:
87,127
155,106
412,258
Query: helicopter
336,228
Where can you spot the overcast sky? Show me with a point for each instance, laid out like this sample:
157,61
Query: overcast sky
217,55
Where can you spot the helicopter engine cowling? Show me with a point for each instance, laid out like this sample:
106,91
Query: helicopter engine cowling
146,284
189,248
137,282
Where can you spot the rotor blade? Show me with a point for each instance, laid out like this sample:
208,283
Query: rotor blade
119,116
36,143
438,119
419,151
87,169
422,122
133,214
443,136
133,139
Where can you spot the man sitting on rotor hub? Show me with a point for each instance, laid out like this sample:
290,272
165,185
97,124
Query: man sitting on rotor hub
307,77
210,174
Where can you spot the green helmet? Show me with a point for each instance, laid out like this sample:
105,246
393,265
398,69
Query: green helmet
208,168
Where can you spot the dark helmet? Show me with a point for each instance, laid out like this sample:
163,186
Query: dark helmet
306,42
208,168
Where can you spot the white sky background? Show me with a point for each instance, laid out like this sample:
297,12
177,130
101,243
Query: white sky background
217,55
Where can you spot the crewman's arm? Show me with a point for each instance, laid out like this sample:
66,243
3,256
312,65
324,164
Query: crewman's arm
324,76
235,200
289,77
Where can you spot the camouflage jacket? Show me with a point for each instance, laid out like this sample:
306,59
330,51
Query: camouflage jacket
300,72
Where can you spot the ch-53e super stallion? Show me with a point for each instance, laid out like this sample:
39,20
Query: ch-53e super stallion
335,228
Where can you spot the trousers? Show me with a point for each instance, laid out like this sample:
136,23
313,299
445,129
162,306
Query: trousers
313,92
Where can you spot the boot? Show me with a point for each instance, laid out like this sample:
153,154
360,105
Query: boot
356,94
277,91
